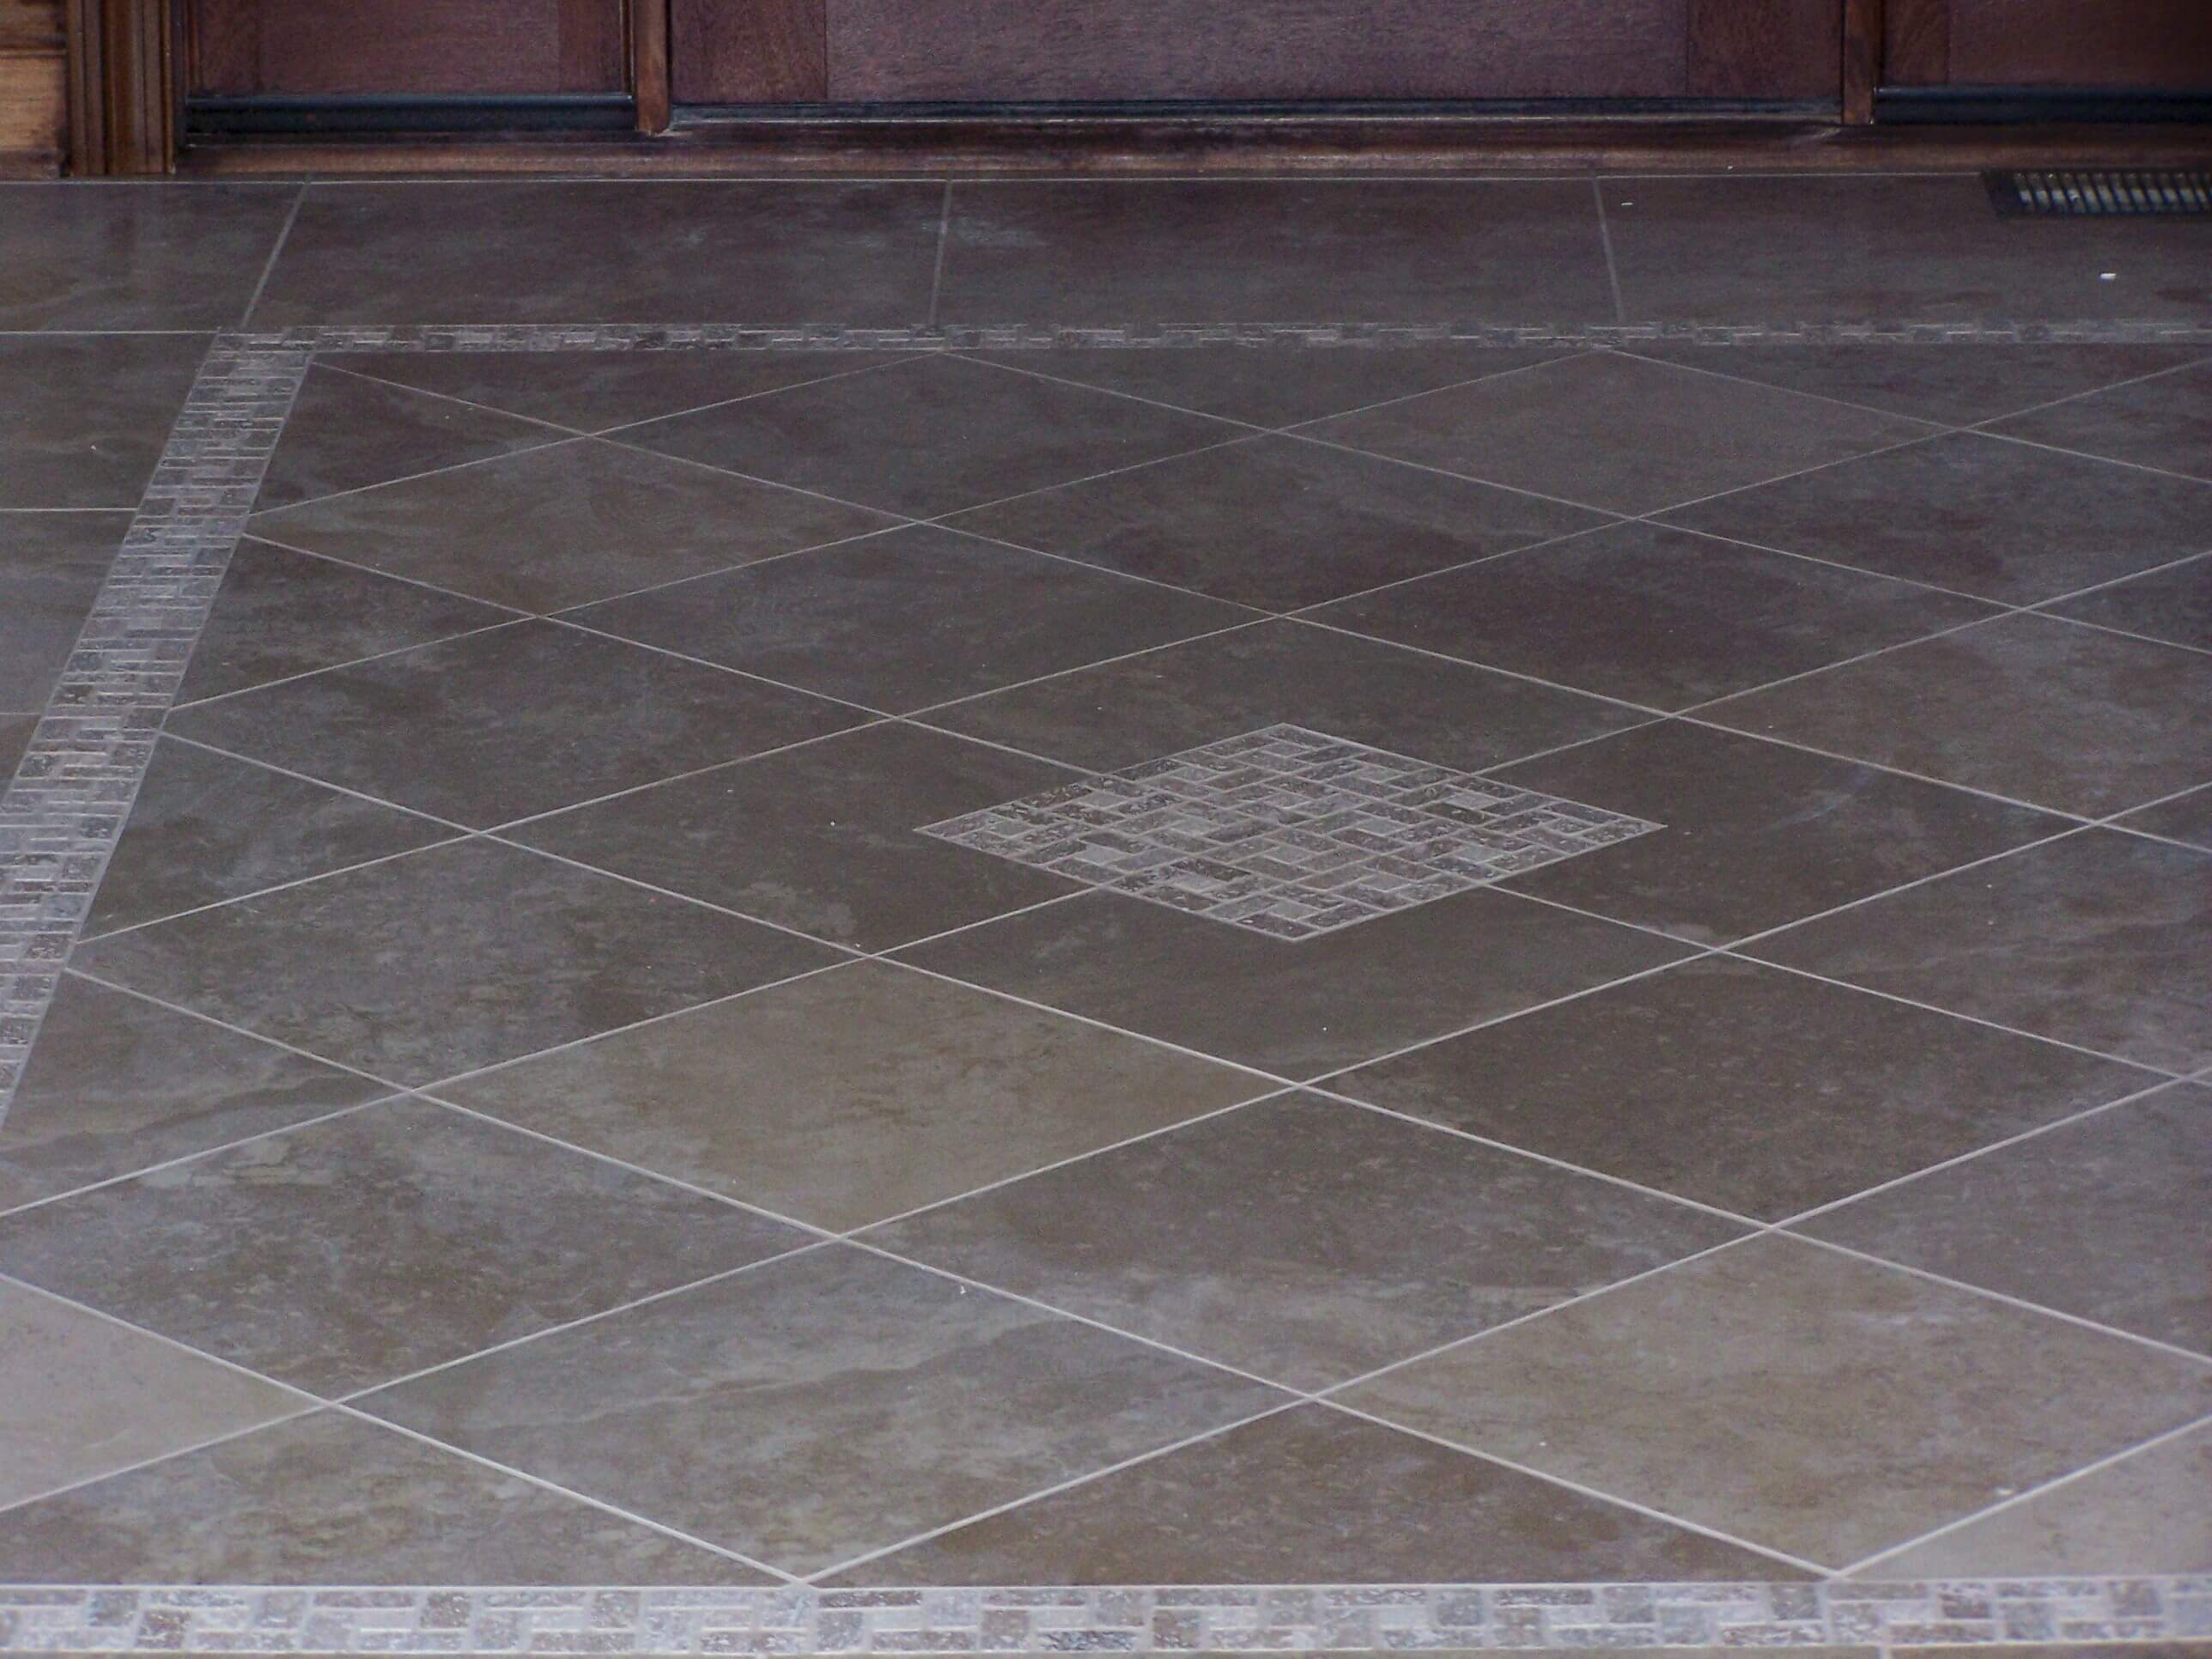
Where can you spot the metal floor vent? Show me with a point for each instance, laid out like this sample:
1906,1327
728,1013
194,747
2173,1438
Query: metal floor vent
2102,194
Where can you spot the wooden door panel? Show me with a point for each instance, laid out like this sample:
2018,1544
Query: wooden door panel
749,52
428,47
2137,43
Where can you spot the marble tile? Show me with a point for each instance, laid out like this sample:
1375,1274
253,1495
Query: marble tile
51,566
2174,605
2160,423
84,417
2186,817
139,254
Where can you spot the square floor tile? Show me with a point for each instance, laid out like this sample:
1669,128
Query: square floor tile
344,1254
823,837
347,432
2186,817
1263,1503
2144,1514
1304,1239
1653,615
2038,710
143,254
1797,1398
562,525
86,1396
51,571
84,417
1140,253
1276,522
206,828
914,617
931,434
821,1407
116,1084
2162,422
1757,834
2000,520
2102,1218
1756,1091
508,723
855,1095
2099,939
2173,605
1295,1009
1123,714
1617,432
448,959
857,254
329,1497
281,612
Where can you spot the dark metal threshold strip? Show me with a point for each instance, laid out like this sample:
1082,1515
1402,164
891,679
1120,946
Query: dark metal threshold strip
289,116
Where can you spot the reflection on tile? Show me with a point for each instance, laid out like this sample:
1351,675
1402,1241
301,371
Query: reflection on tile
856,1094
50,568
507,723
1758,1092
562,525
1757,1391
2036,709
1757,834
2100,1219
822,837
2160,423
1618,432
2174,605
1653,615
85,1396
207,828
1263,1503
116,1084
914,618
144,254
448,959
331,1498
1304,1239
821,1407
82,418
1296,1010
2099,939
344,1253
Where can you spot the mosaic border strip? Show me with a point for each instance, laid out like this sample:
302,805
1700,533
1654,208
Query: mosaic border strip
1340,1618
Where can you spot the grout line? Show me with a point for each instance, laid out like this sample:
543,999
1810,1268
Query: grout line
463,831
1605,240
276,247
254,532
263,514
336,364
310,1407
937,270
2196,363
188,704
2088,455
892,361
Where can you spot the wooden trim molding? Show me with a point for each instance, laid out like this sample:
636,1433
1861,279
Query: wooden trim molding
1863,40
647,21
123,87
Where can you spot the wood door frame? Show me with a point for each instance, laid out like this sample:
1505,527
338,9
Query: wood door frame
125,97
1865,43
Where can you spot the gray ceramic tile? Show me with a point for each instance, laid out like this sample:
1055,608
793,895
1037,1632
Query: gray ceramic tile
1756,1091
331,1498
821,1407
1144,252
508,723
930,434
1123,714
2186,817
281,612
2161,422
2144,1514
87,1397
82,418
1295,1009
2002,520
51,564
914,618
2173,605
1305,1239
448,959
2073,717
1276,523
344,1254
858,254
346,433
116,1084
207,828
1757,834
1263,1503
558,527
2100,1219
2102,939
1797,1398
823,837
1618,432
1654,615
140,254
855,1095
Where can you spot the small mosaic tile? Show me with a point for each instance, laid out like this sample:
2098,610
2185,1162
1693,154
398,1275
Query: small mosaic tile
1288,832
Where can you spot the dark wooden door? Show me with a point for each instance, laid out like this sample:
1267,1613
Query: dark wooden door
404,48
2111,46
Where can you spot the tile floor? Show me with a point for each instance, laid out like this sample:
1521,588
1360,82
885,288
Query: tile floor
1582,963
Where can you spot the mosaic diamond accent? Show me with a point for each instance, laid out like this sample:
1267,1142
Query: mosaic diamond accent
1288,832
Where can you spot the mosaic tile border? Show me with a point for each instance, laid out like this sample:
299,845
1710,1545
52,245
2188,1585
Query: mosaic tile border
1339,1619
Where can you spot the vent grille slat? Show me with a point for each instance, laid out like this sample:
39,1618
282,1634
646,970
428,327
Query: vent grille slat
2060,193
